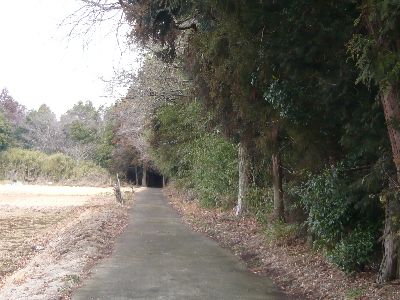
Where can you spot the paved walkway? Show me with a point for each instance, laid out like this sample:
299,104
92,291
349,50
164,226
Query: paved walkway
157,257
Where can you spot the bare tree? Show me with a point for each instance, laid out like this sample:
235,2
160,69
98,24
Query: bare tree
42,130
156,84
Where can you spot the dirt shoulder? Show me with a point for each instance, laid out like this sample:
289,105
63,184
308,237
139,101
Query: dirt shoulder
295,268
62,255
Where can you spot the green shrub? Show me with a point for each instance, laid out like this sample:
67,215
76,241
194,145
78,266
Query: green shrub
21,164
58,167
29,165
214,170
326,199
259,202
195,158
336,217
353,251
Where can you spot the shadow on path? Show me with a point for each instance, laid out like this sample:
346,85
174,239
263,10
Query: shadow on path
157,257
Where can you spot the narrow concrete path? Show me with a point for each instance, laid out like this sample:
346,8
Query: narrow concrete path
157,257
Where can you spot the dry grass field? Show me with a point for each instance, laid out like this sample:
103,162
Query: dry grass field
45,228
22,233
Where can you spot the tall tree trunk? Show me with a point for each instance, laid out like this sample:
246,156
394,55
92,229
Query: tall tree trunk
391,109
244,168
390,262
144,176
164,181
279,208
136,176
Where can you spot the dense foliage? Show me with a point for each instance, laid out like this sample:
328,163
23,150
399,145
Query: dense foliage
186,149
279,83
39,147
5,133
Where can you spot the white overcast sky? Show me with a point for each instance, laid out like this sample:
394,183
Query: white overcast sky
39,63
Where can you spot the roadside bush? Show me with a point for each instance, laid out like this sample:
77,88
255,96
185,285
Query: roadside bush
341,216
327,202
214,170
353,251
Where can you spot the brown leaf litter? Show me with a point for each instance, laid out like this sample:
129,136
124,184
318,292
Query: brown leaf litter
294,267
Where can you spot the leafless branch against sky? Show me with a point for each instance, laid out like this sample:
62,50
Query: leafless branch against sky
57,53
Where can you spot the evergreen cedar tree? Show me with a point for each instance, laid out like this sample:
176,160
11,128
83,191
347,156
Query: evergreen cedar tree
277,77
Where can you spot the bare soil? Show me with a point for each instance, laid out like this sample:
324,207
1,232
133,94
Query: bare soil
294,267
51,237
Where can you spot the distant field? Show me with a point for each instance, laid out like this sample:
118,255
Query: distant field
49,196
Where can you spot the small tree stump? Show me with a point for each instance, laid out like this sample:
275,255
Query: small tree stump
117,191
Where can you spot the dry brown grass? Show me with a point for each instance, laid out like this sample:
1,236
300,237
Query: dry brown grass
51,236
22,233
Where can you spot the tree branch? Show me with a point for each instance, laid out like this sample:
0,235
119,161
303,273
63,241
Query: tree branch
124,5
191,26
